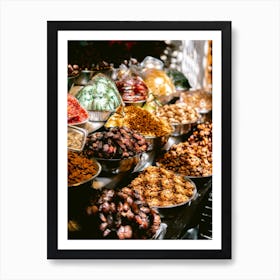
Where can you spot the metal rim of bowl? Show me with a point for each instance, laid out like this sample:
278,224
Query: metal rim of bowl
94,176
183,203
118,159
78,123
85,133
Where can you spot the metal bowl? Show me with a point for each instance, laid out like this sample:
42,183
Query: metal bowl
200,181
71,81
88,181
178,216
78,131
116,166
181,128
99,116
156,142
173,209
84,77
135,103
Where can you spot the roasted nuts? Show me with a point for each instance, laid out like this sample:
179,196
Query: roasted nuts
115,143
193,157
161,187
178,113
123,215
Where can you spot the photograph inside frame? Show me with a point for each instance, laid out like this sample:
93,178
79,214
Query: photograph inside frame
139,139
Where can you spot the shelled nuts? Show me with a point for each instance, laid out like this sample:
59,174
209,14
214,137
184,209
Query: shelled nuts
161,187
193,157
178,113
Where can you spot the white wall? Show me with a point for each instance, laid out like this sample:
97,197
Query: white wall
255,195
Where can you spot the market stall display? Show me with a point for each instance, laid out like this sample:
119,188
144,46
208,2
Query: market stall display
137,183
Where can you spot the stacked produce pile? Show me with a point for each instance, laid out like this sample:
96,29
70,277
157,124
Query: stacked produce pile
123,214
161,187
75,112
193,157
115,143
179,113
101,94
140,120
132,88
80,168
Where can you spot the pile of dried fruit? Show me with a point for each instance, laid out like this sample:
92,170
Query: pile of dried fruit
115,143
132,89
161,187
140,120
80,168
123,215
193,157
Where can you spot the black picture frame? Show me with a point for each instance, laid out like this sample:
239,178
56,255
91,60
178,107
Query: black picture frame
53,27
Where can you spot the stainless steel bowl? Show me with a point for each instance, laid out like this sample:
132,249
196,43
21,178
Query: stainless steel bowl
78,131
177,217
88,181
84,77
163,210
116,166
181,128
99,116
156,142
135,103
71,81
200,181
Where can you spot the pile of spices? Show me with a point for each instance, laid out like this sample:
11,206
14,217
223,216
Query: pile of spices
140,120
80,168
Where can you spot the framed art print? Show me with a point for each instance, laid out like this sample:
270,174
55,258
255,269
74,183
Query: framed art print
139,140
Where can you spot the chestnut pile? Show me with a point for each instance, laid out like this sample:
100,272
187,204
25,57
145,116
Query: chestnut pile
115,143
122,214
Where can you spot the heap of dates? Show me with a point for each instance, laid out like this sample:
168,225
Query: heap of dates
115,143
122,214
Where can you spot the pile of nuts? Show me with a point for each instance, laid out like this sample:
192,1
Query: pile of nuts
142,121
200,100
123,215
115,143
80,168
161,187
75,139
193,157
178,113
